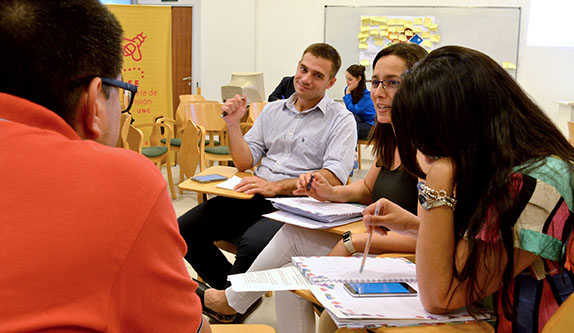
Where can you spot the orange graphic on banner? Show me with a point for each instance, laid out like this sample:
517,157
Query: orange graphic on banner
132,48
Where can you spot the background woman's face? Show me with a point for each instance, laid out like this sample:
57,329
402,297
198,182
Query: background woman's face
387,68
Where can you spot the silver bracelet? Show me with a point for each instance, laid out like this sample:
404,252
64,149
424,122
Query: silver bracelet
431,198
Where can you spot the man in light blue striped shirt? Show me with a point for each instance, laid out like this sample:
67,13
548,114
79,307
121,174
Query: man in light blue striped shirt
306,132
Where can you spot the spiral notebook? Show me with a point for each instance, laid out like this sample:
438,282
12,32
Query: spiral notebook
325,270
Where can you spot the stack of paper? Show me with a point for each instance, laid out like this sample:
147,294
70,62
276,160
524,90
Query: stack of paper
310,213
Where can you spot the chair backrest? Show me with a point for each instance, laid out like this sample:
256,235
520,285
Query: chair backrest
135,139
571,132
207,115
180,113
255,109
125,122
183,98
190,151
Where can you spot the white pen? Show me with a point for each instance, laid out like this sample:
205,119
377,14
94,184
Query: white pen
366,252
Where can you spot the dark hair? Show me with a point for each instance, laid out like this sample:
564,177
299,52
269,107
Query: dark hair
358,71
50,47
383,135
326,51
460,103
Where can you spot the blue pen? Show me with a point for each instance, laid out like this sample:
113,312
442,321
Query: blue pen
310,182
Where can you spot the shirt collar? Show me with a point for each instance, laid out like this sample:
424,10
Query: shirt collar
321,106
16,109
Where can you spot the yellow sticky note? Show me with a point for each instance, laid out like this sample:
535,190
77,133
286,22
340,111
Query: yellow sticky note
425,34
400,21
365,21
365,62
433,27
365,28
508,65
392,22
383,19
383,27
379,41
428,21
393,36
363,45
427,43
363,40
400,29
417,30
409,24
409,33
374,32
378,20
418,21
435,38
392,29
384,33
363,34
402,38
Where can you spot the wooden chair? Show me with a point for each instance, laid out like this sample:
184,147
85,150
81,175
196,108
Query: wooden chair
158,152
125,121
242,328
208,115
562,320
571,132
134,139
190,151
254,110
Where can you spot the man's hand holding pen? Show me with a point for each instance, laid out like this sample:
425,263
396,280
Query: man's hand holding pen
234,108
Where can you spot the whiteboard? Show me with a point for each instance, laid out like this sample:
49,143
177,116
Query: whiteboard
492,30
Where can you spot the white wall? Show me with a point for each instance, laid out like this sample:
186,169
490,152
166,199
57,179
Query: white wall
269,36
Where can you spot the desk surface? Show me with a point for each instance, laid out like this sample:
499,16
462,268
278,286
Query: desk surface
210,188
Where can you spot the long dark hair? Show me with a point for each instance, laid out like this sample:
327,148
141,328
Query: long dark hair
358,71
460,103
382,135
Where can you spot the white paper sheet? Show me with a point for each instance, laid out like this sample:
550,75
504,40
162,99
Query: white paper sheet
284,278
230,183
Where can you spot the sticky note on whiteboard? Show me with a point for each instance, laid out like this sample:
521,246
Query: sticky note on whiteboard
365,62
435,38
508,65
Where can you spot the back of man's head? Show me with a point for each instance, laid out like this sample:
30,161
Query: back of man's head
325,51
50,48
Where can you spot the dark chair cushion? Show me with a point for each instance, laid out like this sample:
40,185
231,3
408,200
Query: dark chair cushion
154,151
219,150
174,142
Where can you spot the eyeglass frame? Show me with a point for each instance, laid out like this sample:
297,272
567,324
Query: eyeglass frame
125,86
111,82
375,83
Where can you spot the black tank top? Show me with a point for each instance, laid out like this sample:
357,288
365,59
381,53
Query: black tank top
398,186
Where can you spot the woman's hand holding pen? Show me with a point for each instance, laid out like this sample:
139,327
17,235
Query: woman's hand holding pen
316,186
233,109
391,216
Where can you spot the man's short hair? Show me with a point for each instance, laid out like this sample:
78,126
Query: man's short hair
51,48
325,51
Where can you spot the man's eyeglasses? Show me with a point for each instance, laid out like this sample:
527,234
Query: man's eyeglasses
129,92
387,84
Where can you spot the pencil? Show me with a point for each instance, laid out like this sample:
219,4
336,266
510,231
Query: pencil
366,252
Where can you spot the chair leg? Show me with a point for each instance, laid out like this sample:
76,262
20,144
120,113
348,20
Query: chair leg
170,178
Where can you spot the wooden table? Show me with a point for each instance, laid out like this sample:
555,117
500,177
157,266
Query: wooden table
203,189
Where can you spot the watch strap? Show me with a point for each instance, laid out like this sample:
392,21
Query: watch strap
348,242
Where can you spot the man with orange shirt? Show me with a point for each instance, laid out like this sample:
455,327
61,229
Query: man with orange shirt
88,236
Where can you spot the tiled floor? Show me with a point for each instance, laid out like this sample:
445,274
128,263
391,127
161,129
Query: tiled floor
265,313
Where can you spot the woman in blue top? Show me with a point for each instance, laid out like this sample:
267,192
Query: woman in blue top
358,100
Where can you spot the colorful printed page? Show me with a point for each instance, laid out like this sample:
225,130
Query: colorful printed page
325,270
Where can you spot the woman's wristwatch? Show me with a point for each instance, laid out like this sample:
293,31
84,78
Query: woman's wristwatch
348,242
